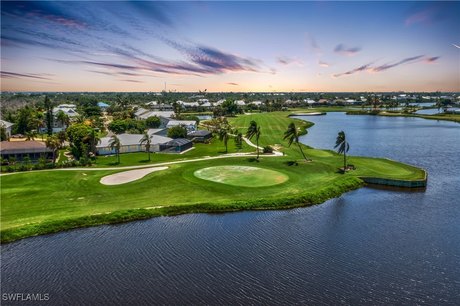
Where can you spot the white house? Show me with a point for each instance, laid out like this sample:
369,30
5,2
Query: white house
131,143
8,126
256,103
240,103
190,125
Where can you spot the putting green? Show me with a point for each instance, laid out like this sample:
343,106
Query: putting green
242,176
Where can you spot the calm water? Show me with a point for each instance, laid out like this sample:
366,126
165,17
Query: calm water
367,247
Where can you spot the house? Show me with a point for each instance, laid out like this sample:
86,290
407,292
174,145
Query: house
103,106
199,136
20,149
240,103
69,110
190,125
256,103
8,126
176,145
130,143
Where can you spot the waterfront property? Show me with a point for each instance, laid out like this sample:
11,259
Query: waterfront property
22,149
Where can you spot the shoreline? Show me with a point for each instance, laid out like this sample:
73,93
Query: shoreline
340,186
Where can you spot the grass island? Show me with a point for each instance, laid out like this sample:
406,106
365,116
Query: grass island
201,180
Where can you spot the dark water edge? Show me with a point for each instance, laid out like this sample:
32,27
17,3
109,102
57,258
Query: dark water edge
369,246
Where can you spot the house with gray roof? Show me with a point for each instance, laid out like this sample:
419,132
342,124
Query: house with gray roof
130,143
190,125
21,149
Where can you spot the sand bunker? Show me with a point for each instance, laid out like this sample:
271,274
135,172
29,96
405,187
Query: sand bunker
242,176
128,176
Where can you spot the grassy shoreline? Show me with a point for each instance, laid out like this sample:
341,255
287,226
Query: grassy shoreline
343,185
445,117
36,203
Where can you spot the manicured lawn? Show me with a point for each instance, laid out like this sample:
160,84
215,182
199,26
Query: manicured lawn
49,201
243,176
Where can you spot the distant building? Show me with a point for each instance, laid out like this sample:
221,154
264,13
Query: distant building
20,149
69,110
190,125
103,106
8,126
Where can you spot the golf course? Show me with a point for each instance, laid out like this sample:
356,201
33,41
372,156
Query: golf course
41,202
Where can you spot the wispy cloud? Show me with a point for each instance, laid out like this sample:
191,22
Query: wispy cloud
234,84
285,60
45,10
430,60
14,75
323,64
346,51
353,71
456,46
375,69
403,61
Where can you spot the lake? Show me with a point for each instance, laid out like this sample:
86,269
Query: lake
369,246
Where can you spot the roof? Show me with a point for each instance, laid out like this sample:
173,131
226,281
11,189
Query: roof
164,114
67,110
102,104
21,147
154,131
132,139
6,124
178,142
199,133
181,122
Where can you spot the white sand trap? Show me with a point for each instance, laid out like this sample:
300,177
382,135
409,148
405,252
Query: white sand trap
128,176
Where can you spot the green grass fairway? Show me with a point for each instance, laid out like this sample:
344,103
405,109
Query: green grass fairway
243,176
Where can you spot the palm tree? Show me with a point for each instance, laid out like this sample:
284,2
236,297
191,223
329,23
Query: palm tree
31,135
115,143
293,137
63,118
147,139
93,139
224,136
343,147
53,143
238,140
254,130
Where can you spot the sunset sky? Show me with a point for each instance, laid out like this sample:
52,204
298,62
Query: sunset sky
230,46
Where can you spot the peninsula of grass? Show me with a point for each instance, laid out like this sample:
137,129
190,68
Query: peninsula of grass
41,202
441,116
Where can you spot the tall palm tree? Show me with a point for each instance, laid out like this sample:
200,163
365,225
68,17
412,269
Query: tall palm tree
254,130
147,139
115,143
342,146
224,136
292,135
238,140
53,143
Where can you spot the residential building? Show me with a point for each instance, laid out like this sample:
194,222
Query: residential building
190,125
20,149
8,126
130,143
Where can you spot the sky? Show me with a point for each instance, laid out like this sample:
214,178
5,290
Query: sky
262,46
